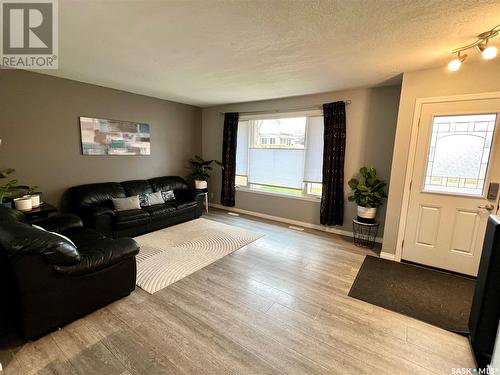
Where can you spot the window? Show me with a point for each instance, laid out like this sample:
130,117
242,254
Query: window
282,155
459,153
241,180
314,188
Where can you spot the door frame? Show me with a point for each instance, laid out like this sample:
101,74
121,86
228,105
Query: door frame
412,151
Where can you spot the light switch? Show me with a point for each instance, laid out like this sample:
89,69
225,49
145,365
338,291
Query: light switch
493,191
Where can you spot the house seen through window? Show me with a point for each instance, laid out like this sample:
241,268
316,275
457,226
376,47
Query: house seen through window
280,155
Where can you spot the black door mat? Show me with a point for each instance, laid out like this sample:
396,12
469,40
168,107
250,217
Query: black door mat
435,297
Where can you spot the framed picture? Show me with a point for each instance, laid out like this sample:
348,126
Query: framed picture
114,137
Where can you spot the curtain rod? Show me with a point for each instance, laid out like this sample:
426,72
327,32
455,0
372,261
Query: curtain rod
319,106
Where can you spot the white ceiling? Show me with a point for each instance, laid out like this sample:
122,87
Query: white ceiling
207,52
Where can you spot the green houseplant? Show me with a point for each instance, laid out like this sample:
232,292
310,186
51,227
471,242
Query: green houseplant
11,193
200,170
368,192
7,188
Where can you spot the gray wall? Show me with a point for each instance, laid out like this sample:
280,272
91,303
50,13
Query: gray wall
40,132
371,125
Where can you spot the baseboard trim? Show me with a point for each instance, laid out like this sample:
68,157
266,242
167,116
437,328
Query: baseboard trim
288,221
388,256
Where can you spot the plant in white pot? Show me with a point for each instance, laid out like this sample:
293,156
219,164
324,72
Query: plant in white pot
200,170
368,192
23,203
34,195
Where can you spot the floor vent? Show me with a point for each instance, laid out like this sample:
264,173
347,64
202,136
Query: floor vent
296,228
233,214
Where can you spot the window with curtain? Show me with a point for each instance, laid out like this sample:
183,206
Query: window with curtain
281,154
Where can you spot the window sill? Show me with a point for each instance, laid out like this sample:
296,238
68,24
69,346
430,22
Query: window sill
289,196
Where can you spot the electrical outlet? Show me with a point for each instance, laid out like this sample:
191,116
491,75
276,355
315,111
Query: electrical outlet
211,195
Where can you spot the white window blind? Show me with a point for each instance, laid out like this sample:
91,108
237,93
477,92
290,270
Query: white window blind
313,167
276,167
280,151
242,149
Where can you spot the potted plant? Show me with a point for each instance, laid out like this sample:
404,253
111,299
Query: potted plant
368,192
6,189
200,170
23,203
34,195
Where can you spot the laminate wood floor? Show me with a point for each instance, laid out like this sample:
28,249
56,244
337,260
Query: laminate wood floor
277,306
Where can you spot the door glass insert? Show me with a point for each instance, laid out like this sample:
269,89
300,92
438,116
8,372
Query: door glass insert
459,152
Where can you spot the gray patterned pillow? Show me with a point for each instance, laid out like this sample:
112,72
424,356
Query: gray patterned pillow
168,195
156,198
144,200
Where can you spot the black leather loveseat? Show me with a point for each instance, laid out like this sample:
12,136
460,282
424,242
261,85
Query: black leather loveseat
93,203
47,281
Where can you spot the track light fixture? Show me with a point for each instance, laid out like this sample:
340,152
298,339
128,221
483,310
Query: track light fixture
488,52
455,64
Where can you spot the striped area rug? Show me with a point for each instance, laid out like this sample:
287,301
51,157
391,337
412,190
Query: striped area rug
173,253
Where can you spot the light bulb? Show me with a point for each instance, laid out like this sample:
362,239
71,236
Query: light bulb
489,53
454,65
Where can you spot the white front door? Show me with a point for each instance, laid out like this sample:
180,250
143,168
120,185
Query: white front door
457,157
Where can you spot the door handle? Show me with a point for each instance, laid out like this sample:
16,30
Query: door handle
488,207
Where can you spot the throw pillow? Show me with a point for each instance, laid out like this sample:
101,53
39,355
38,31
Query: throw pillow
155,198
57,234
125,204
143,200
168,195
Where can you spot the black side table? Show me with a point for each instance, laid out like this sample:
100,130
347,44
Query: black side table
364,233
41,212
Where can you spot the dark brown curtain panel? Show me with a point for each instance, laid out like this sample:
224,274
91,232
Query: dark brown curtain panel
229,158
332,199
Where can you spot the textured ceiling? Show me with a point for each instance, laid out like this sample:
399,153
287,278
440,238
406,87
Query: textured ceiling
207,52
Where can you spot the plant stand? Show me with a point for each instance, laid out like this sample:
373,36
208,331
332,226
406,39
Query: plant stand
364,233
205,193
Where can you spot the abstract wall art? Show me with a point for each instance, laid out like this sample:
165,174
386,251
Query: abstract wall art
114,137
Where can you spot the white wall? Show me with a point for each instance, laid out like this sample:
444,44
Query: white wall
371,123
473,77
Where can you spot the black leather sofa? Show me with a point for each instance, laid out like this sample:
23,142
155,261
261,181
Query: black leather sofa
47,282
93,203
